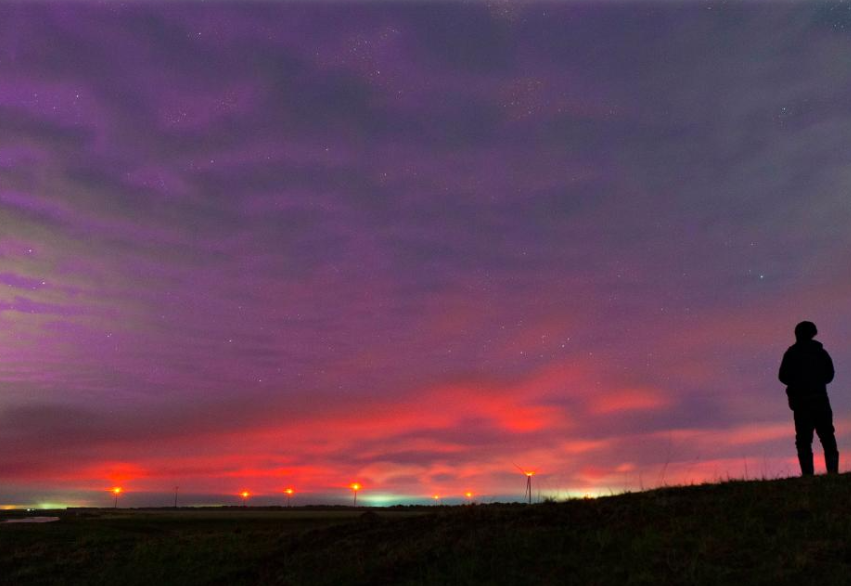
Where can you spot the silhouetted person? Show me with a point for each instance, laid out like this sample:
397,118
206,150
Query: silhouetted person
806,370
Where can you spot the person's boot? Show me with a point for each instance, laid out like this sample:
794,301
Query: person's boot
831,462
806,461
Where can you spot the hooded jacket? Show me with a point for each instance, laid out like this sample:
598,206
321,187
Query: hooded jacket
806,370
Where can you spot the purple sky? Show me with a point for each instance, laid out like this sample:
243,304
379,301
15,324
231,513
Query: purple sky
258,246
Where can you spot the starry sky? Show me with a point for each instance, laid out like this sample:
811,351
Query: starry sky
252,246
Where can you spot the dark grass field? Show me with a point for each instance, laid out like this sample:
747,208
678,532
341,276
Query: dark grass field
793,531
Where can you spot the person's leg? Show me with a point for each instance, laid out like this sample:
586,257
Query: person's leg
826,434
804,440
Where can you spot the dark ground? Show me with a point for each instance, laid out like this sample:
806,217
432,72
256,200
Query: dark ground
793,531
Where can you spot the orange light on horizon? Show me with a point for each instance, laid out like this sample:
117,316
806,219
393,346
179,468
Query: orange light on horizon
436,497
116,491
355,486
289,491
527,496
245,494
468,494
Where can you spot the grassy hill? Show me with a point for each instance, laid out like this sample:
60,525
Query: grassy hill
792,531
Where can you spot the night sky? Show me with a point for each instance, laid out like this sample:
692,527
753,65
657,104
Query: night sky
418,247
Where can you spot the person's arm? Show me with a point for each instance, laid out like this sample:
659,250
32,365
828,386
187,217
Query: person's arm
785,375
828,368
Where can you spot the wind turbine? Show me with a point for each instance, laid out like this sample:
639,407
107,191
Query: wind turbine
527,495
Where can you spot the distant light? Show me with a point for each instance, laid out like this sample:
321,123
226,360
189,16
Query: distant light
436,497
355,486
116,490
468,494
245,494
289,491
529,473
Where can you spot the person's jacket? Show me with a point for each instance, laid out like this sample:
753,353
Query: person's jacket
806,370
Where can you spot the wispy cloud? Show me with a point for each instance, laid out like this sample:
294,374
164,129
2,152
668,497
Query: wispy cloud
412,244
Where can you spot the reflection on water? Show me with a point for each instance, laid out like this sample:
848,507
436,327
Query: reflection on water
33,520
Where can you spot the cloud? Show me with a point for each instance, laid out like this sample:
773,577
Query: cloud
407,242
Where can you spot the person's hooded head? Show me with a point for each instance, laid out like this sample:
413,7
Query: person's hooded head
805,331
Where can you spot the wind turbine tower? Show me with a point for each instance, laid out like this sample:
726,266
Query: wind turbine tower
528,493
527,496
